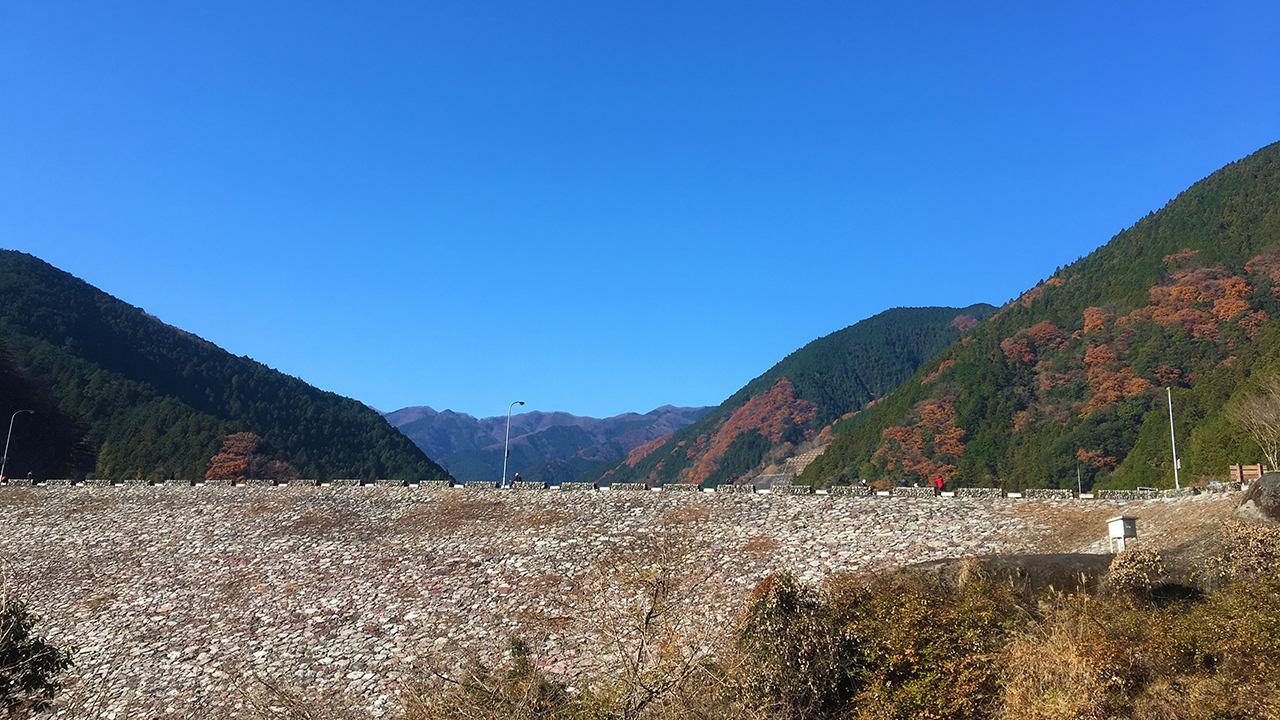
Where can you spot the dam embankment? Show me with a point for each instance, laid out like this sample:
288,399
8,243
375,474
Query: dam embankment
176,596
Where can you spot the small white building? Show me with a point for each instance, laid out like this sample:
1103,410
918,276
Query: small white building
1123,532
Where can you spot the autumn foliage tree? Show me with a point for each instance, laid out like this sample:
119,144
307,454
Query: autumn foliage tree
241,459
1259,416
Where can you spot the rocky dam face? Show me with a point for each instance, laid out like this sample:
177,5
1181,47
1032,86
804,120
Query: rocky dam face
182,600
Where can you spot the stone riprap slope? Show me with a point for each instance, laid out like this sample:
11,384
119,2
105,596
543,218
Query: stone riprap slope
177,597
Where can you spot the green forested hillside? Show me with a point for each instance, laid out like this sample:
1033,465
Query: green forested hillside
794,400
136,398
1073,374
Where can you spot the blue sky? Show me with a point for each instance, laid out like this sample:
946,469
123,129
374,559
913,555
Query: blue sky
597,207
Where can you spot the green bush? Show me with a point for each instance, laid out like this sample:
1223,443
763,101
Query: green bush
28,665
800,663
894,645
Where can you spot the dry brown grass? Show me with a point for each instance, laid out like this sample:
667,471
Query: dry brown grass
759,545
1048,676
19,497
271,699
1250,550
686,514
326,521
272,507
1072,528
455,514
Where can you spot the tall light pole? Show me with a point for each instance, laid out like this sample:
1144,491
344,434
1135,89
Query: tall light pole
506,446
1172,440
5,460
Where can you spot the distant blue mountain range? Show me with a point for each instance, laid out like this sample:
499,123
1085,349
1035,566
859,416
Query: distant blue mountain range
545,447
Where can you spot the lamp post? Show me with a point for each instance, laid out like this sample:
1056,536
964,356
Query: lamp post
5,460
1172,440
506,446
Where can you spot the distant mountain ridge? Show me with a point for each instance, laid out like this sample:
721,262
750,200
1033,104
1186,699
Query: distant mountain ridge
790,407
545,446
123,396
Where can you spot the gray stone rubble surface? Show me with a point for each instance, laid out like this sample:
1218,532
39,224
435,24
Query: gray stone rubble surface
177,597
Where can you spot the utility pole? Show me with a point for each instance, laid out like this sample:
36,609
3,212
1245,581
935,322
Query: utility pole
1173,440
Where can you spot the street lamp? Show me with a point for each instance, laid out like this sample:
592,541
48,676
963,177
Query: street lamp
5,460
506,447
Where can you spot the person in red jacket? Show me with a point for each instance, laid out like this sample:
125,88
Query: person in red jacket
938,483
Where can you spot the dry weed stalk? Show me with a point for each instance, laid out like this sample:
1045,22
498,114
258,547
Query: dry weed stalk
1049,676
649,606
272,700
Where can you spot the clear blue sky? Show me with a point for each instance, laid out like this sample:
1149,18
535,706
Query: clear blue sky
597,207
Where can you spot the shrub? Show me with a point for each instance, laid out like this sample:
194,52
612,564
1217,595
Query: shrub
898,645
1110,657
928,646
1134,572
28,664
520,692
799,663
1251,550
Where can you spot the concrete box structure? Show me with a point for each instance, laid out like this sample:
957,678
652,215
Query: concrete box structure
1123,532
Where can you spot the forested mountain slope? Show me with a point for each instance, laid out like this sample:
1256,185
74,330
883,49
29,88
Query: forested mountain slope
545,446
1073,374
796,399
130,397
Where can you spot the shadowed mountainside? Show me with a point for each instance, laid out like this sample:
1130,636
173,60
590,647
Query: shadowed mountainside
125,396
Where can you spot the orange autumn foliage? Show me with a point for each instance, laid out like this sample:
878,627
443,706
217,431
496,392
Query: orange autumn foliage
642,452
1267,264
928,446
1030,296
945,366
1228,307
1097,459
1098,357
1095,319
768,414
1020,350
1236,287
240,459
1181,258
1024,344
1253,321
1046,334
1200,299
